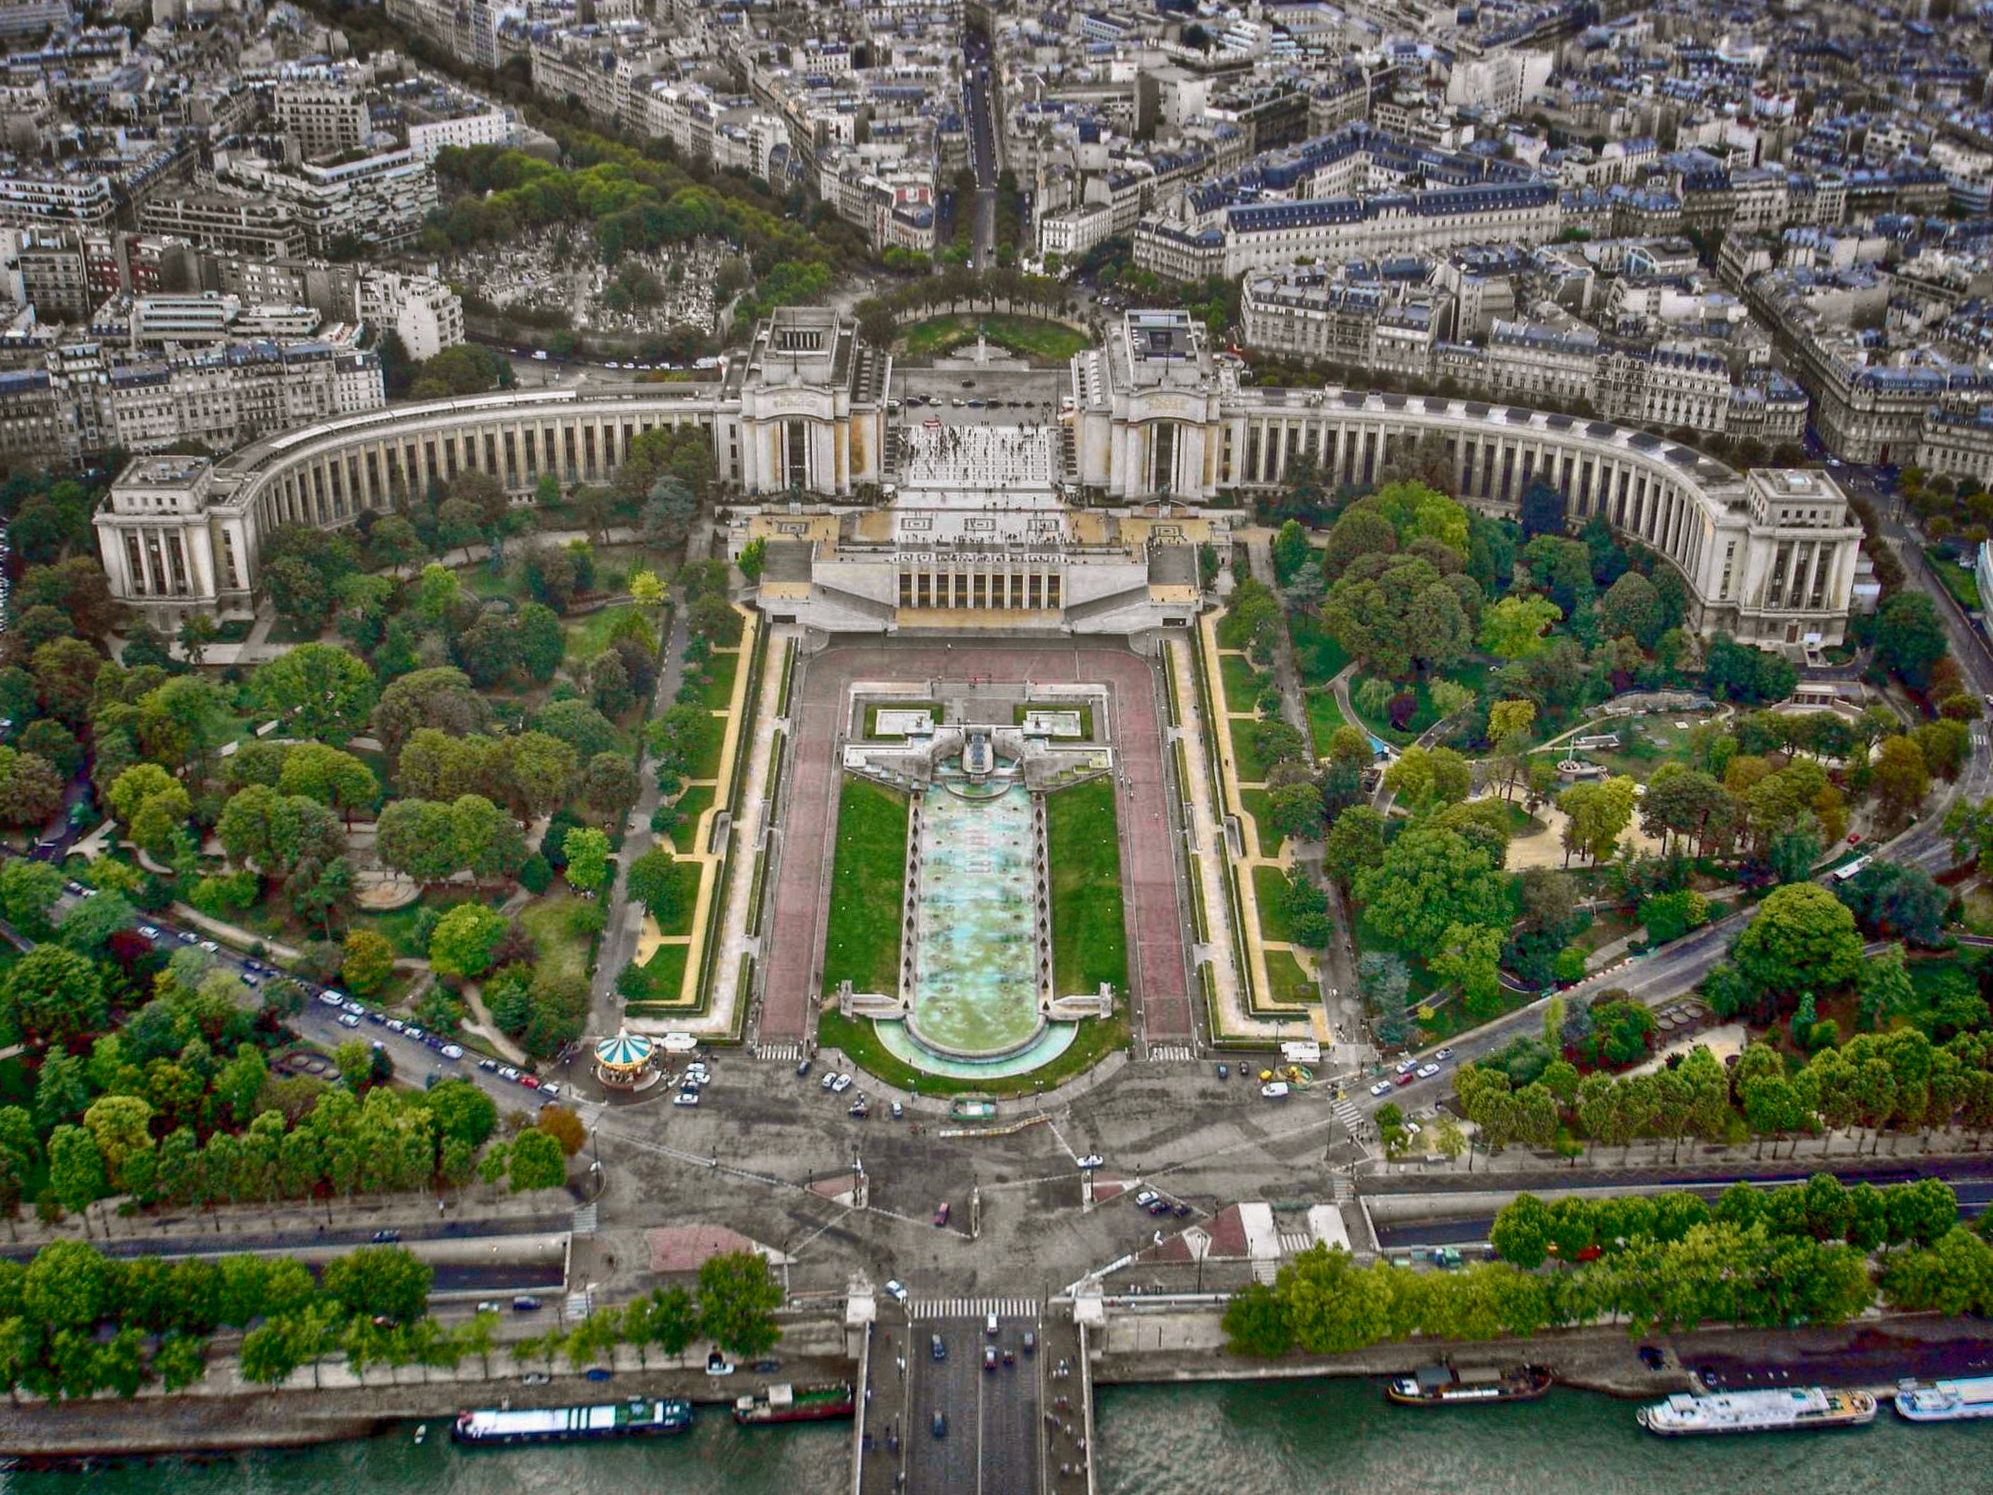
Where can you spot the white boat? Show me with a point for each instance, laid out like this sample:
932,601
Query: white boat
1947,1401
1794,1409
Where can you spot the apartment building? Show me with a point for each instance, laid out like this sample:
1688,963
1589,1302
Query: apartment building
426,314
255,226
323,119
379,200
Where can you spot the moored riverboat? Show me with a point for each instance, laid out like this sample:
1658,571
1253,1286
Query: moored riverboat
786,1403
1946,1401
1468,1385
497,1427
1791,1409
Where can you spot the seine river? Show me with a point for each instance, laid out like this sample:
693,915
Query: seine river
1175,1440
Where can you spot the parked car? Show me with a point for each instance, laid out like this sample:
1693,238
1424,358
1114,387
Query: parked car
396,1025
347,1020
531,1082
452,1051
1275,1090
940,1423
330,998
550,1092
686,1098
1427,1071
802,1068
1406,1066
843,1084
211,947
899,1111
507,1072
1382,1087
1442,1056
525,1303
386,1237
491,1305
535,1378
989,1357
830,1080
718,1365
490,1065
597,1373
1146,1198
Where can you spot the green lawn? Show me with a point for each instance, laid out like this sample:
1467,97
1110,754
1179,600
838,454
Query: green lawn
719,670
1270,889
686,876
1961,581
703,762
1646,742
397,926
1472,674
1245,752
1243,683
1317,657
1089,938
1288,981
1258,803
856,1039
867,882
691,805
1030,337
588,635
561,948
1324,716
664,976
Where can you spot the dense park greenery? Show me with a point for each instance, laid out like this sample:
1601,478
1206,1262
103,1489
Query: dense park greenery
1768,1258
74,1323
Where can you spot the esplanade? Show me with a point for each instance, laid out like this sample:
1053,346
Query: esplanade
1157,441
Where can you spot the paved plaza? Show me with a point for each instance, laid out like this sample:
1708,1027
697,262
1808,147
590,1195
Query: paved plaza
1158,974
1010,465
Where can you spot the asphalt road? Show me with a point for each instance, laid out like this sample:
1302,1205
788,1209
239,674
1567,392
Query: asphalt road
200,1242
982,145
992,1440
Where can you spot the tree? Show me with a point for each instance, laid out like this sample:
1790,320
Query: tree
537,1162
588,866
1599,814
30,788
539,642
646,590
564,1126
1802,939
75,1168
1431,878
369,962
737,1302
1899,779
1631,607
383,1281
667,515
1669,916
28,890
609,786
120,1127
1355,844
323,691
1296,810
1513,627
464,939
653,881
1621,1031
1424,777
1909,639
1897,900
463,1112
333,778
55,995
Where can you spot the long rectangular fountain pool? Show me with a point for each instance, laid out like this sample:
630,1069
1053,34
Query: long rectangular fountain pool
975,989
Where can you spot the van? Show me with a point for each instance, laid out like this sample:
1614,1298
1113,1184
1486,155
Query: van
539,355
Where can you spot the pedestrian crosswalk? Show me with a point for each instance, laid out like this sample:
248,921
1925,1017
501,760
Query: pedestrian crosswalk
972,1308
580,1305
1171,1053
787,1052
1349,1114
1342,1188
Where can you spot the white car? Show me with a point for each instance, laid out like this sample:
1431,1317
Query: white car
896,1291
1093,1160
1147,1197
211,947
1442,1056
1382,1087
842,1084
347,1020
551,1092
1406,1066
507,1072
830,1080
1427,1071
330,999
451,1051
396,1025
148,931
356,1008
686,1098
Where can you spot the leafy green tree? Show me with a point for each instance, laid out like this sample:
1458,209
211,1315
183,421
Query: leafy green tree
737,1301
1424,777
462,1111
1597,816
28,890
1631,607
1908,637
380,1280
1256,1323
1883,987
1513,627
1801,939
464,940
54,995
588,866
1430,879
369,962
537,1162
324,692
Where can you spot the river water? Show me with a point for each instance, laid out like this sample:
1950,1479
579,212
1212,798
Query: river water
1330,1435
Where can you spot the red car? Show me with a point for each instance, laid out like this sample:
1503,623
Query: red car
1407,1077
941,1213
531,1082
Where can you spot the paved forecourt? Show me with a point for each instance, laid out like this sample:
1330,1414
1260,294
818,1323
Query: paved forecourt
1158,972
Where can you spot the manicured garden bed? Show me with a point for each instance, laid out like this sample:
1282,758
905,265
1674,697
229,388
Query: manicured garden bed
867,882
1089,936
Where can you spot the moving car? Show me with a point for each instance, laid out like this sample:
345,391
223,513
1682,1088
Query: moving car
989,1357
1405,1077
525,1303
940,1423
941,1213
937,1347
896,1290
1382,1087
1406,1066
1442,1056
